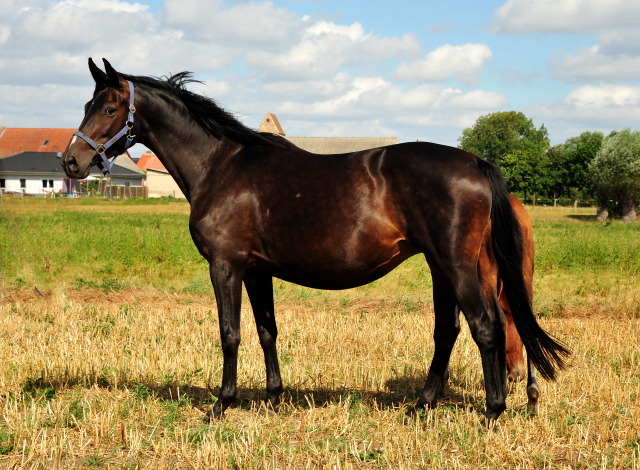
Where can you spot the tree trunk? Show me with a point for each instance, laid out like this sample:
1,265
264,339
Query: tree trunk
628,209
534,202
575,206
602,214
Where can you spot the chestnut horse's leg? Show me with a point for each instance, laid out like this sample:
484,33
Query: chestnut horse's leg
515,356
533,389
260,290
447,316
227,284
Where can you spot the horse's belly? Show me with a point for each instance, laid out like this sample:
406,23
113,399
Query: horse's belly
343,271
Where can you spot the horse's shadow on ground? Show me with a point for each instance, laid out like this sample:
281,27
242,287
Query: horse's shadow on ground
400,392
582,217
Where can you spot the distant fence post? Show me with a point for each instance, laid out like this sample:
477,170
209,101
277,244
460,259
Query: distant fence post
146,192
575,206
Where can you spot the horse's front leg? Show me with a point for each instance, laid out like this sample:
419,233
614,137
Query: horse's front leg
227,284
260,290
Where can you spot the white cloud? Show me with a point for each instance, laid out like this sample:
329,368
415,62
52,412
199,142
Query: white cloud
604,96
43,106
246,23
564,16
326,47
589,107
617,23
465,63
352,106
594,64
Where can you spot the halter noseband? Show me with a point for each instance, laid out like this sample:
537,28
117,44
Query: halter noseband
105,165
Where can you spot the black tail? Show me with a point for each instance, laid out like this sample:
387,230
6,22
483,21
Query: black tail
545,352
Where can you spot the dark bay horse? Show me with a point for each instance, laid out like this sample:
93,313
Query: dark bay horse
261,207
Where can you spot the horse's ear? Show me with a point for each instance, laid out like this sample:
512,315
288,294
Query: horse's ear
112,76
98,75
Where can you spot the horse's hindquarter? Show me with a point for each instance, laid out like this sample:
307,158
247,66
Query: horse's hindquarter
329,221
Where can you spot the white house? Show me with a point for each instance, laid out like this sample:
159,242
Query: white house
39,173
34,173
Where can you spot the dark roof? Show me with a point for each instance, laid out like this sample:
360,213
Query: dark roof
49,162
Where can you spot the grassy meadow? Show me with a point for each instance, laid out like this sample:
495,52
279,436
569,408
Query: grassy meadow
109,345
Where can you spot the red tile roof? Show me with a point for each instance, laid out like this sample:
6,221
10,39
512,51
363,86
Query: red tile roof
16,140
150,160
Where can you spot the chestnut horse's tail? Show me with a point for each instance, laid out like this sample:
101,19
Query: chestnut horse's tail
545,352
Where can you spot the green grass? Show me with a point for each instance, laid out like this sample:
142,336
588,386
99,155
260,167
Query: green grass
110,246
104,250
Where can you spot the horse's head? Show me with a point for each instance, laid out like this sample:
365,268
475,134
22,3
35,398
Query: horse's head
105,116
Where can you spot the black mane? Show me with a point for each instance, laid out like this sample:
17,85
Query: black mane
215,120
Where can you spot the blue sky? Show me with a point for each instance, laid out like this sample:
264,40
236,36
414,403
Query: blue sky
415,69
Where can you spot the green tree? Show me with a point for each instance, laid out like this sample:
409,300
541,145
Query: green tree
526,171
496,135
569,164
615,172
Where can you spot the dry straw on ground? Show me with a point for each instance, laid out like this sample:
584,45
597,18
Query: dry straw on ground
104,382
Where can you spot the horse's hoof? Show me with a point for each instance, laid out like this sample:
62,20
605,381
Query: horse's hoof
270,410
487,424
214,414
411,416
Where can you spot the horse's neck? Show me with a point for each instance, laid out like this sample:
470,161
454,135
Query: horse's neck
183,147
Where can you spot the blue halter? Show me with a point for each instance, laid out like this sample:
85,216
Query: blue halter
101,149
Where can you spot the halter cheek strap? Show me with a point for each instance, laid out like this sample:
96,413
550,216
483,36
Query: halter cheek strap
101,149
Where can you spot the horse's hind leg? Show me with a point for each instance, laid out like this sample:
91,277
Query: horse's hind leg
533,389
444,335
487,330
515,357
260,290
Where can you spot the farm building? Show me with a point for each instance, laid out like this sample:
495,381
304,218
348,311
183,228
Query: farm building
325,145
39,173
17,140
161,183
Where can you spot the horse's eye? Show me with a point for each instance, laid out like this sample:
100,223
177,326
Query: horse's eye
111,111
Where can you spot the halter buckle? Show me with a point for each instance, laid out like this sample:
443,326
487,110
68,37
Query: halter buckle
129,124
132,109
100,149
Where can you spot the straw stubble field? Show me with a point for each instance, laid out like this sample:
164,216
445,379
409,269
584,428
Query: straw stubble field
105,370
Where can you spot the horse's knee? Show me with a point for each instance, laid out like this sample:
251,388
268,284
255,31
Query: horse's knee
230,342
487,333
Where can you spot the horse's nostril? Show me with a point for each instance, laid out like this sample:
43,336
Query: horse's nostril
72,164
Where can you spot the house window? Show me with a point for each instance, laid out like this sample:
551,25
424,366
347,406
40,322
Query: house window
127,183
45,142
44,183
2,183
51,183
23,183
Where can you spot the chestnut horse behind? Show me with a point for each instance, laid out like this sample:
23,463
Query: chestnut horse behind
487,265
261,207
